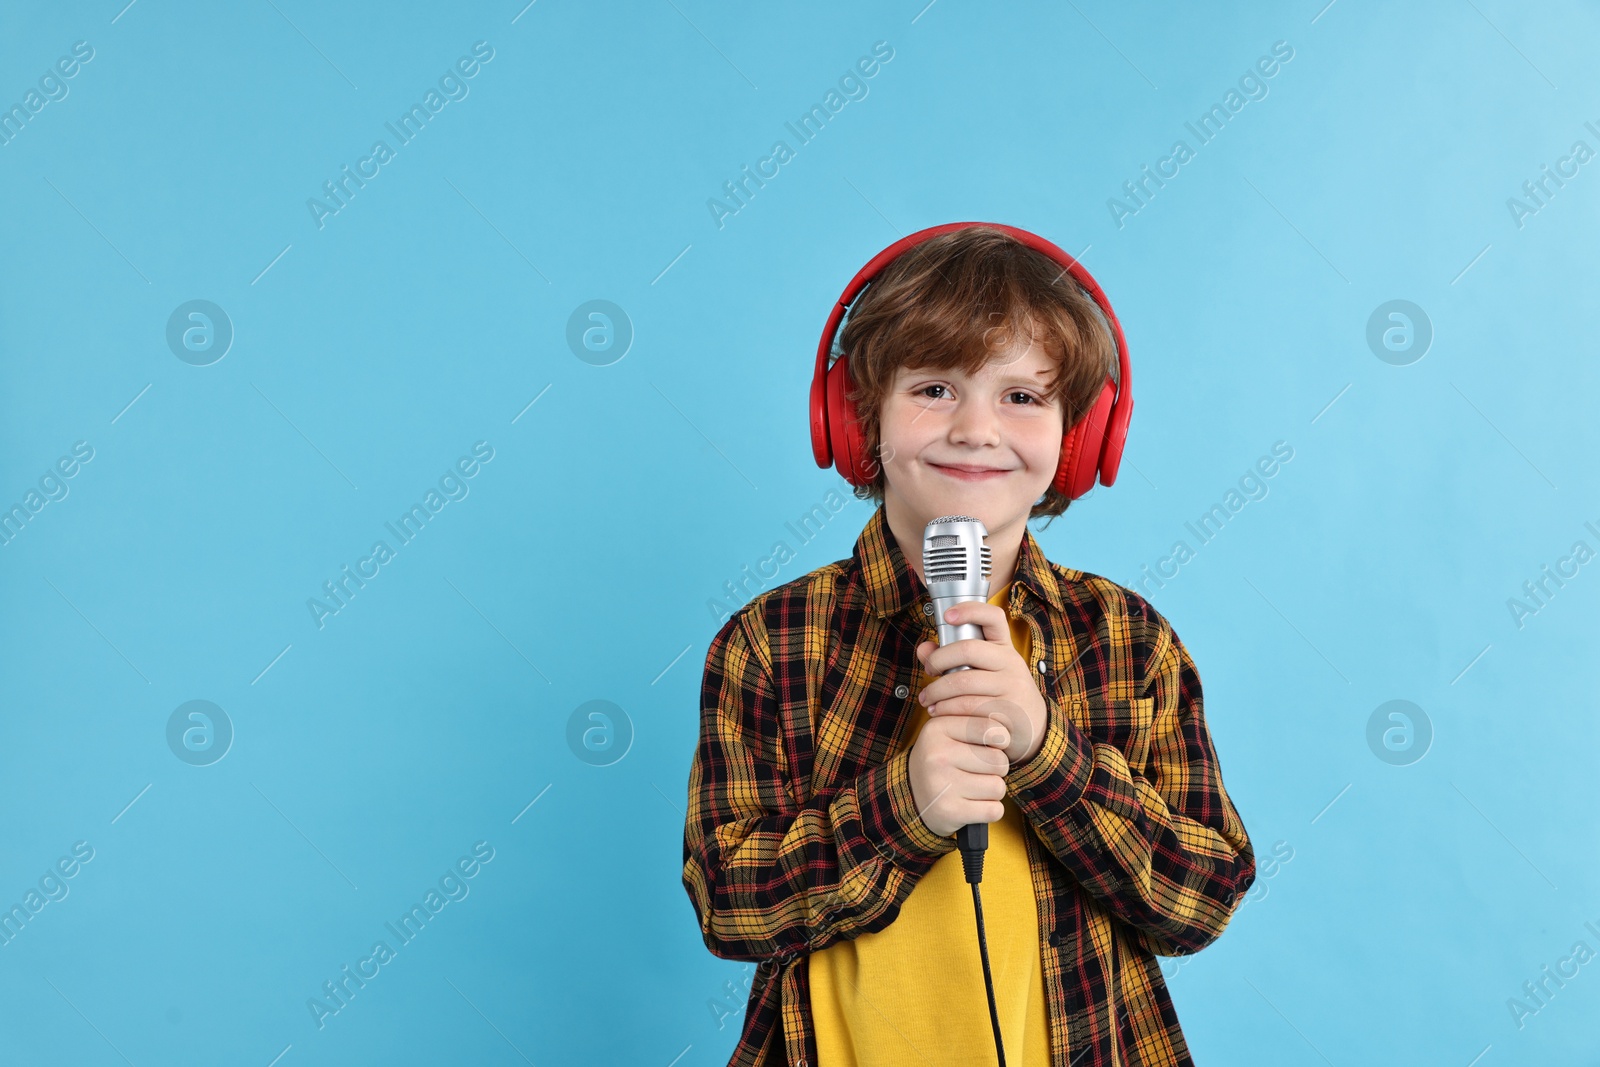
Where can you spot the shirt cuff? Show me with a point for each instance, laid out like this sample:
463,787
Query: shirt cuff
1058,774
890,819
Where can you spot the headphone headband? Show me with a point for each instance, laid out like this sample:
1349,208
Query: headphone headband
1091,446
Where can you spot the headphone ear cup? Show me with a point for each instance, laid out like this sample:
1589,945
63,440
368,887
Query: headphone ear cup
821,445
843,431
1082,445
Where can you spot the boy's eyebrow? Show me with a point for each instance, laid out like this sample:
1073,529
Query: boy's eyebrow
1024,378
936,371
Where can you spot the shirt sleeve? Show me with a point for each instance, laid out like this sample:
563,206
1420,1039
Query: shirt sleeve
1160,846
770,872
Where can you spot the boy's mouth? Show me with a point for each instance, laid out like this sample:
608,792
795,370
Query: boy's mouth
969,472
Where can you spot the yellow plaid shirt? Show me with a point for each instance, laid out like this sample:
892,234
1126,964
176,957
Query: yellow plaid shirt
802,830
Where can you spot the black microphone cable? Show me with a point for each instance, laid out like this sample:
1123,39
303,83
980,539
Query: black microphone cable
973,839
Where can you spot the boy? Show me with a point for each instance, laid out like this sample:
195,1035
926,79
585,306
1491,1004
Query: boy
837,758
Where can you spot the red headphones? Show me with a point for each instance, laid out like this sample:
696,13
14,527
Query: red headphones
1091,445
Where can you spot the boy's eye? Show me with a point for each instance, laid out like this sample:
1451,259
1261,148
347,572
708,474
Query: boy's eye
1028,399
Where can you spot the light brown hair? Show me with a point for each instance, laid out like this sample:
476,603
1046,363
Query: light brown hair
955,300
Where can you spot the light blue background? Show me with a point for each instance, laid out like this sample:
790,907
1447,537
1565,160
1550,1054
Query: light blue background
430,312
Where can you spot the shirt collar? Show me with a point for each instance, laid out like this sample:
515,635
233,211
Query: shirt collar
892,586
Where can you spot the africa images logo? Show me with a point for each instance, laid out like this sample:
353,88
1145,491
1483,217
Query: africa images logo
453,885
453,87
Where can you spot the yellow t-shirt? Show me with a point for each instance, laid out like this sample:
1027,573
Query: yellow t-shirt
913,992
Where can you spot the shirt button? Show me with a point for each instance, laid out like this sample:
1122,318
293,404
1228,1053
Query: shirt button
1055,939
1042,667
902,691
927,609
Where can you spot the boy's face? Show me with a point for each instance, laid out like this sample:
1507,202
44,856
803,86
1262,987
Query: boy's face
985,445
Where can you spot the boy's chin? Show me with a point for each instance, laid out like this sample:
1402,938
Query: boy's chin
994,509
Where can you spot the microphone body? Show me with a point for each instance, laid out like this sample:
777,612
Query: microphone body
955,566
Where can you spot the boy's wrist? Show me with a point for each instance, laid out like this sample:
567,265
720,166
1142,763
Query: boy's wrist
890,820
1020,765
1023,760
1059,770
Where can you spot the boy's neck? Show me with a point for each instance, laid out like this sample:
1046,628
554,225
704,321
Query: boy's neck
1005,542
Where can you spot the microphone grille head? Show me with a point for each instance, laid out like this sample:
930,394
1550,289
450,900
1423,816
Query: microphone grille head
946,549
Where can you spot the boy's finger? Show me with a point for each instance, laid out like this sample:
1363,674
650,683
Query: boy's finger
960,683
981,730
991,617
980,655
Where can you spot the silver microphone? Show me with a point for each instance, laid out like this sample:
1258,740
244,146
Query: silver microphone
955,568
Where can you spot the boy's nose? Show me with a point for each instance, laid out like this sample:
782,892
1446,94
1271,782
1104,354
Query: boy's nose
973,424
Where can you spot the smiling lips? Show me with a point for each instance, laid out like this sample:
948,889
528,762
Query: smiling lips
969,472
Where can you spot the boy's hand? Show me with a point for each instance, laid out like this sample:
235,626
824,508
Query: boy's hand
958,772
999,684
